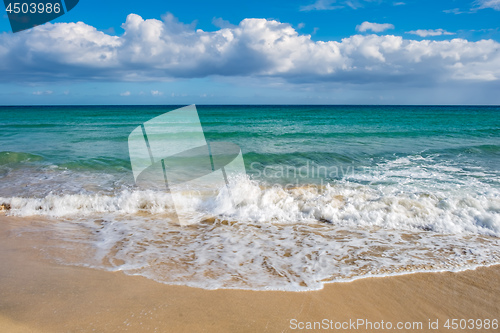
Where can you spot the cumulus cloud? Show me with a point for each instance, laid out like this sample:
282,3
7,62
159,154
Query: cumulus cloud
221,23
482,4
156,93
126,93
154,50
430,32
376,27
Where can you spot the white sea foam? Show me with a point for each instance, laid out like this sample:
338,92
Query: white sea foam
265,256
344,204
413,214
256,237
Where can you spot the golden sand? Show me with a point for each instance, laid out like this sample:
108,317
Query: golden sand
37,295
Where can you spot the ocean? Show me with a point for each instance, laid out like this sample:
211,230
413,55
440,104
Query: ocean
330,194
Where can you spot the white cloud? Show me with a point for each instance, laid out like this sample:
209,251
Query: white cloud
156,93
321,5
476,5
376,27
153,50
482,4
126,93
455,11
430,32
338,4
220,23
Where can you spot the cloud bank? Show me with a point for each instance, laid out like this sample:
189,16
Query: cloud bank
154,50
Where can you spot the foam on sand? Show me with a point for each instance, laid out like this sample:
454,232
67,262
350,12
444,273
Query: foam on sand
253,236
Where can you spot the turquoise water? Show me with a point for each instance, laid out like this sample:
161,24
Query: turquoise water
95,138
380,174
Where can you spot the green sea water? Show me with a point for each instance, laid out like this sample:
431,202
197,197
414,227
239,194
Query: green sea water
95,138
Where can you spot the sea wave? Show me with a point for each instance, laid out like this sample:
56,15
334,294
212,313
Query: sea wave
412,213
271,238
246,200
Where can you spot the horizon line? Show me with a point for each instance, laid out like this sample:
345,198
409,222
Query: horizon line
176,105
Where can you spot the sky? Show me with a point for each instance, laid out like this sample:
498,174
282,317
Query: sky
257,52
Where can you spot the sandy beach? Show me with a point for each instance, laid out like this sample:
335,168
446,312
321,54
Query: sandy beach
37,295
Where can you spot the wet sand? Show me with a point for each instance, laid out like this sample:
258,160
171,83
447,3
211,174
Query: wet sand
38,295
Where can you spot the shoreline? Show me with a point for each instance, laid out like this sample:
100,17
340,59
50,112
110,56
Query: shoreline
38,295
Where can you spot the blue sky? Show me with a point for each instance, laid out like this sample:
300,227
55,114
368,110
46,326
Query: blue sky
257,52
